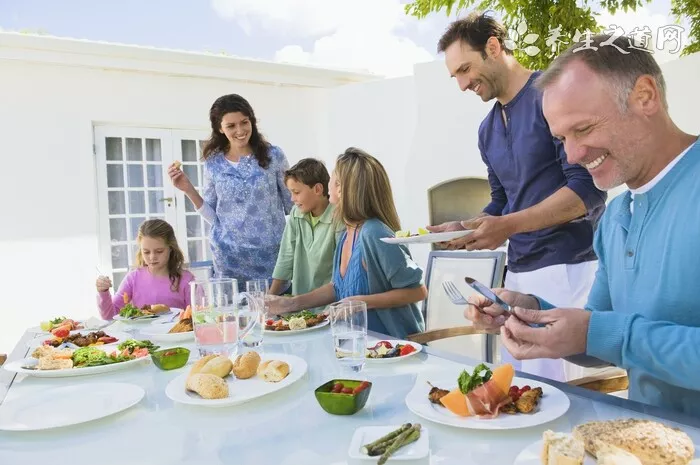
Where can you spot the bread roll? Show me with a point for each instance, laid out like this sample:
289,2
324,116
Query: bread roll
218,365
246,365
208,386
273,371
561,449
159,308
651,442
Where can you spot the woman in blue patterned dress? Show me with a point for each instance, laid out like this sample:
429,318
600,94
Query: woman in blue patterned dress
245,199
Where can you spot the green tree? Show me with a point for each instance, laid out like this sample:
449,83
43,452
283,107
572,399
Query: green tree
540,29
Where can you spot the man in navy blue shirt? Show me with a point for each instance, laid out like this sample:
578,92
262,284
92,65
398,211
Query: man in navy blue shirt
546,208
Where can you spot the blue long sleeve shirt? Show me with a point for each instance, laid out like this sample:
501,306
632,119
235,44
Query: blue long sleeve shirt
645,302
526,165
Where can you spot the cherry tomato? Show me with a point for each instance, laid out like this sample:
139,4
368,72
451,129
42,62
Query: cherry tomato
524,389
360,387
61,332
346,390
386,344
337,387
270,322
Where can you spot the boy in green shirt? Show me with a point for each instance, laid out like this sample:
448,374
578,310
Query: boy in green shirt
311,234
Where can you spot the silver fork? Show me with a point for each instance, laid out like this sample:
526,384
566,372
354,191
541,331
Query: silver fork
453,293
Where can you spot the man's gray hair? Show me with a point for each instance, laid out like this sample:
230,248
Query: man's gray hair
604,56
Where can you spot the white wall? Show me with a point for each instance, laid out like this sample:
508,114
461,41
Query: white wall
48,238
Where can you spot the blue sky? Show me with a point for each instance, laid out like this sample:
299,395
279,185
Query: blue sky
335,33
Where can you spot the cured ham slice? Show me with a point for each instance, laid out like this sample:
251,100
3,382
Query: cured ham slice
486,400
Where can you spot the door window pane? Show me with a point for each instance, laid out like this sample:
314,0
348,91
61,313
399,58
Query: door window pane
117,206
134,224
153,150
155,204
134,150
120,257
137,202
155,175
115,176
117,279
113,146
194,226
117,229
189,150
194,249
191,172
135,175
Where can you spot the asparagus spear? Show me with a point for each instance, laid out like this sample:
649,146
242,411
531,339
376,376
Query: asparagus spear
391,436
407,437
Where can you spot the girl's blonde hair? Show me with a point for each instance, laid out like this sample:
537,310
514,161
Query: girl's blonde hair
365,190
162,230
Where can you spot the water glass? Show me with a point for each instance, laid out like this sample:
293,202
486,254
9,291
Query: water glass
215,316
257,286
349,330
251,318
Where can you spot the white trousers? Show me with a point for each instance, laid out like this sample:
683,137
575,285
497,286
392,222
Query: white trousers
563,286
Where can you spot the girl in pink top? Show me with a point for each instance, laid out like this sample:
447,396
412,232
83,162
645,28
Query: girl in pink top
159,278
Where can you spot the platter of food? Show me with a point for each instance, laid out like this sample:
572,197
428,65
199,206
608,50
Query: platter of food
298,322
216,381
621,441
50,362
391,350
130,313
80,338
96,400
61,324
424,237
486,399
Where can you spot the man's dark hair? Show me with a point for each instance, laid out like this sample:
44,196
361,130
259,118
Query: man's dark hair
475,30
309,171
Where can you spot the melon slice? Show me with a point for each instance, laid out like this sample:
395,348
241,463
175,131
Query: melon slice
456,402
503,377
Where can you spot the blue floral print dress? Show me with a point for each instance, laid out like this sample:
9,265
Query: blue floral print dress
246,207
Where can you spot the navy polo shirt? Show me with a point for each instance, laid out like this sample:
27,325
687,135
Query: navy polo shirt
526,164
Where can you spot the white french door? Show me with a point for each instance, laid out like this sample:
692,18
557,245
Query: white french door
133,186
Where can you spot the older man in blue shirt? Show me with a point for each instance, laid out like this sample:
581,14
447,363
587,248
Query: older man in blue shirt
607,103
547,208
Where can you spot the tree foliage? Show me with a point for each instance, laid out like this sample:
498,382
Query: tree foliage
540,29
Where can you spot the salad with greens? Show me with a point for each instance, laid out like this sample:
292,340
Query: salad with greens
128,350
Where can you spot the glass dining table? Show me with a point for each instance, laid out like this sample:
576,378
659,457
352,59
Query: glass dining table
287,426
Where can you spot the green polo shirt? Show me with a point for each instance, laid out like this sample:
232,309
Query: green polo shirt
306,251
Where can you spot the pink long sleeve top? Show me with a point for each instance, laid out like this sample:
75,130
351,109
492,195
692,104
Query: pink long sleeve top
145,289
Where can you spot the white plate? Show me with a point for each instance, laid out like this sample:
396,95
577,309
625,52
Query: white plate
531,456
78,404
366,434
553,404
322,324
16,367
393,342
159,332
240,390
92,324
427,238
38,341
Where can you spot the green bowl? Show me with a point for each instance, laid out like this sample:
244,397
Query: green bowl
339,403
171,359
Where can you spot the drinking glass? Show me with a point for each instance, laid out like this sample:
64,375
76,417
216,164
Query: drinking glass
252,314
215,316
349,330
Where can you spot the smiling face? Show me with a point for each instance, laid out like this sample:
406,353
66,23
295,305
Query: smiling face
155,253
237,128
582,110
474,72
304,197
